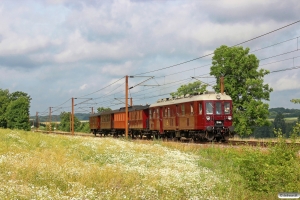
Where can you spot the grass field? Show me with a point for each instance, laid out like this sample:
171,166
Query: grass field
39,166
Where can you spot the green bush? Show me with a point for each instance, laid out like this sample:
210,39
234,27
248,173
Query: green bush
275,171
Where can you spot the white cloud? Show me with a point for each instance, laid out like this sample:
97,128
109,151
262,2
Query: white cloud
71,44
84,86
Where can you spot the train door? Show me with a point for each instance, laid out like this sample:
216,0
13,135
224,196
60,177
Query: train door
161,119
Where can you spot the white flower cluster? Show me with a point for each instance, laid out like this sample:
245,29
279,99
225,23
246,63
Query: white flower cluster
126,170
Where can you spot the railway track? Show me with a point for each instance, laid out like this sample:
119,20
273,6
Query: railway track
227,143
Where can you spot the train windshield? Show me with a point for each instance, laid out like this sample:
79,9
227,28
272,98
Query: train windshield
209,108
227,108
218,108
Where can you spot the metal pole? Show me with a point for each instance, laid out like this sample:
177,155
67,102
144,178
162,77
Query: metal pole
37,120
222,84
70,122
92,110
130,101
50,118
72,117
126,107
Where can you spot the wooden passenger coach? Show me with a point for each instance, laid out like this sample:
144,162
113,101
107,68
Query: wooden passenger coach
203,116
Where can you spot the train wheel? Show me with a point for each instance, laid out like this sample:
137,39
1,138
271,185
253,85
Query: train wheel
210,135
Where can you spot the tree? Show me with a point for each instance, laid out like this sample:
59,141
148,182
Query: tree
102,109
244,83
15,95
17,114
279,123
4,101
65,122
190,88
295,101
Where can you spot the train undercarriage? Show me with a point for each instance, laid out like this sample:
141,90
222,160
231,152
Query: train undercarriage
213,134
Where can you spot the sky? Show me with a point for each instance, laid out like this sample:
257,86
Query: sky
55,50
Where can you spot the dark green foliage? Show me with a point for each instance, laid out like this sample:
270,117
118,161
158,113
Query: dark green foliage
279,123
263,132
190,88
244,83
277,171
85,127
65,122
102,109
4,101
14,110
17,114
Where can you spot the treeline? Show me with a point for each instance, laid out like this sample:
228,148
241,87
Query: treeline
287,129
80,116
65,124
285,112
14,110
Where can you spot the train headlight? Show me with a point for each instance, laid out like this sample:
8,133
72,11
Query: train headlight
229,118
207,118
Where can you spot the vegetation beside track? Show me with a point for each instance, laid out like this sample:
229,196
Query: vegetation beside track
40,166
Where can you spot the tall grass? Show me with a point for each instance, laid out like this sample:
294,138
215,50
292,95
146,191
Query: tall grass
39,166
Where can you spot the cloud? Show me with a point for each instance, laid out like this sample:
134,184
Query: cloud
84,86
53,47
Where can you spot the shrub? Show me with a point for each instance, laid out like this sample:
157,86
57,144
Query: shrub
275,171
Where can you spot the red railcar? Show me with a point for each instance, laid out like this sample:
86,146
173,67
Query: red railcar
206,116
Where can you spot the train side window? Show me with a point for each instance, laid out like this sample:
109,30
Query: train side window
218,108
169,114
200,108
182,109
166,112
192,109
157,113
150,113
209,108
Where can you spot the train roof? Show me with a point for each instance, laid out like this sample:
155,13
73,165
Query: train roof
130,108
190,98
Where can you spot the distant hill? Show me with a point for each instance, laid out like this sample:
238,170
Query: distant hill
80,116
285,111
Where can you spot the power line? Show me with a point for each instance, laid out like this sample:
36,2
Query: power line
286,69
213,53
101,88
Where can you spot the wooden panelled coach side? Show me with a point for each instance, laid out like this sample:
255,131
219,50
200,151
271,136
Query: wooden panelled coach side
106,121
94,121
138,117
119,120
186,116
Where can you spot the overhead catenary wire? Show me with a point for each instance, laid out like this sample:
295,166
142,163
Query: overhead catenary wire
209,64
208,55
213,53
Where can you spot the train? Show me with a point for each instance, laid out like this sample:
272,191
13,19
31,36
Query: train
198,117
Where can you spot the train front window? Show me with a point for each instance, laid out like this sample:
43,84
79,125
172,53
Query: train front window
209,108
227,108
218,108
